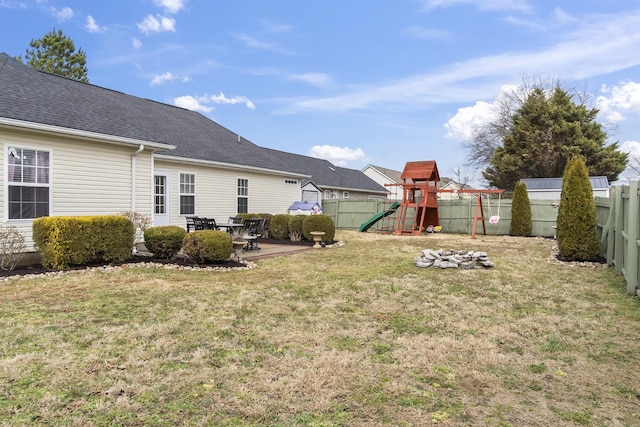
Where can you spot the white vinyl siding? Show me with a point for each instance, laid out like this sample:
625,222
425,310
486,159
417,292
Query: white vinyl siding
86,178
217,188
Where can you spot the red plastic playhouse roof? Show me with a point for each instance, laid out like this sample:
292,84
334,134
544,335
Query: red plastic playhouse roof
421,171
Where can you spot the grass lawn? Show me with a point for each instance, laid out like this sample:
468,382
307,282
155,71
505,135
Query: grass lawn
350,336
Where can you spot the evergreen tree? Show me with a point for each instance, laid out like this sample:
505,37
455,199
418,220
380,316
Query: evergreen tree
56,53
577,220
521,224
546,131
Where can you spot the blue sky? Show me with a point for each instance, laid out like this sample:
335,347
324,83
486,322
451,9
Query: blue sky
355,82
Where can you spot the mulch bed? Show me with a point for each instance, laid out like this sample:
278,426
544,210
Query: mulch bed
135,259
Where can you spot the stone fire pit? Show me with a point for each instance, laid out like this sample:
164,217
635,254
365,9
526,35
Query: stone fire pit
453,259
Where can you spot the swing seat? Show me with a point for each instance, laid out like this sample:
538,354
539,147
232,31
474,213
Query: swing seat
494,219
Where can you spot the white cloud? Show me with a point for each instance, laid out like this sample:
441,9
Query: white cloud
200,103
599,47
339,156
167,77
136,43
517,5
222,99
8,4
314,79
93,27
161,23
427,33
617,100
63,14
171,6
463,125
631,147
467,120
191,103
258,44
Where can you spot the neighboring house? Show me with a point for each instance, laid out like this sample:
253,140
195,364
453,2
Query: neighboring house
451,190
72,148
388,177
551,188
326,181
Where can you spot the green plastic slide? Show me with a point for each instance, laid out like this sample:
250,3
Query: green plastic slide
377,217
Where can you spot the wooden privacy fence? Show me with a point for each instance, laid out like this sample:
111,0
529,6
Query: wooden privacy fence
618,222
619,225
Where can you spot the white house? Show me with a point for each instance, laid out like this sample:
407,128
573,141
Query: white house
386,177
72,148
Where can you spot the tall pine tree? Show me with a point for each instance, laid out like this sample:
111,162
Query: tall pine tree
56,53
546,132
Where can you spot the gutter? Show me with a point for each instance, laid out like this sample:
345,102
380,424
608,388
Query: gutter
133,177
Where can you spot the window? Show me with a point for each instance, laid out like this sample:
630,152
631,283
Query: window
291,181
187,194
345,194
160,194
243,195
334,194
327,194
29,188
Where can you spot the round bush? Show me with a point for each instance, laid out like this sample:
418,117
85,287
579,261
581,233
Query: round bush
318,223
279,226
164,241
208,246
295,227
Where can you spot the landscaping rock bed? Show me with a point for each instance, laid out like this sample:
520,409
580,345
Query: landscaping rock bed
463,259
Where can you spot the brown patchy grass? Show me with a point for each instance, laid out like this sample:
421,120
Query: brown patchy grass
335,337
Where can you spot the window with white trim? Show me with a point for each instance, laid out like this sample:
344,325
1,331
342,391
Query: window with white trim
345,194
243,195
29,186
187,194
327,194
160,194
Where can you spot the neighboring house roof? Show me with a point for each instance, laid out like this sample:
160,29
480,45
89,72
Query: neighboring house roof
324,174
34,97
393,175
542,184
446,182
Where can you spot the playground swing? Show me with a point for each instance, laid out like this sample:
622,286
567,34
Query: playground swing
494,219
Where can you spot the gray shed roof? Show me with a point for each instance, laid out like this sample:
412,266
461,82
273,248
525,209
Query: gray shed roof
33,96
541,184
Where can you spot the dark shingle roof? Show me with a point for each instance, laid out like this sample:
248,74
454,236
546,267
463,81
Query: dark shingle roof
393,174
33,96
325,174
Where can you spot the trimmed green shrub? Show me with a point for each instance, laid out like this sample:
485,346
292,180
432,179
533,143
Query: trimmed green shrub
78,240
164,241
279,226
266,230
577,220
318,223
521,224
208,246
295,227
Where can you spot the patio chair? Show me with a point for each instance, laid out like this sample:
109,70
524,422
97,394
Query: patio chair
251,231
209,224
190,223
235,220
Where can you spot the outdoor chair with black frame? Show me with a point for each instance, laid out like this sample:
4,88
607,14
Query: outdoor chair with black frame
191,223
252,231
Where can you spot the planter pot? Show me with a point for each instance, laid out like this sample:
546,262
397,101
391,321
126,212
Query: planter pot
317,238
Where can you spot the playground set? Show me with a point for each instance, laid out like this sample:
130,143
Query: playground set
417,212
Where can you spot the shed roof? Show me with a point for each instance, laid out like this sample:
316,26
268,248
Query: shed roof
541,184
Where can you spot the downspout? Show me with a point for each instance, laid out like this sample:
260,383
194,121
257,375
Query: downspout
133,177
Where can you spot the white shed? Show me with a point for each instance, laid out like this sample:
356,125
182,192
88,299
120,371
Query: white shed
551,188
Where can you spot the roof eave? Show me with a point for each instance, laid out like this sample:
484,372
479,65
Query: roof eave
224,165
93,136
